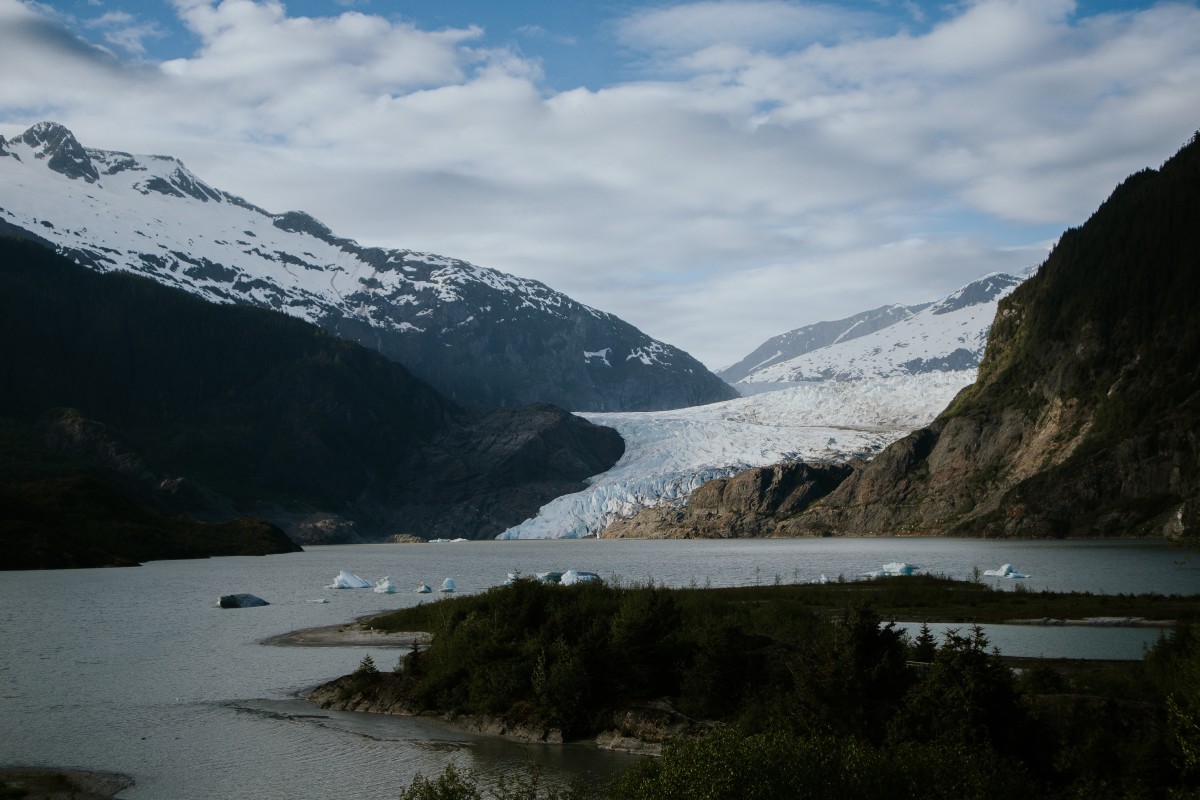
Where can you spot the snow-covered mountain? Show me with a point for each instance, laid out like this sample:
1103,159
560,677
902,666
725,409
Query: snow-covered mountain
944,336
668,454
479,335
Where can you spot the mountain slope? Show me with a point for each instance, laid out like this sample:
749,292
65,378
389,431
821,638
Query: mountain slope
947,335
1084,418
480,336
798,342
224,410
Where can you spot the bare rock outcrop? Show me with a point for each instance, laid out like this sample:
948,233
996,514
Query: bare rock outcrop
755,502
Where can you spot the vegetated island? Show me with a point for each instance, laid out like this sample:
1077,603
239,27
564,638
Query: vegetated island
802,690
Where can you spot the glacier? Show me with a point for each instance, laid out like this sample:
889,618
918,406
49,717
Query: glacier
668,454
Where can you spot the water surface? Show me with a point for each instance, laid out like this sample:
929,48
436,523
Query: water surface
137,670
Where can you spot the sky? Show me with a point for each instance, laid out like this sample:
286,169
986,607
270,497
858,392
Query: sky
714,172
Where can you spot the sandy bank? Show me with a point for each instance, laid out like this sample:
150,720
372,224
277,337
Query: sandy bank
348,634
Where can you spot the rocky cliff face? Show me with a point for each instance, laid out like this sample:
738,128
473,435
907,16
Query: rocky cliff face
756,502
1084,419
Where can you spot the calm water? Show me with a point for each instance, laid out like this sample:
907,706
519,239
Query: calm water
137,671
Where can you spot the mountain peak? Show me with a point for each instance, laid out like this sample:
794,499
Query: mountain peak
482,337
64,153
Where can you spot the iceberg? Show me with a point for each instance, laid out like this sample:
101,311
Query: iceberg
549,577
385,586
449,585
892,568
347,580
1005,571
240,601
574,576
423,589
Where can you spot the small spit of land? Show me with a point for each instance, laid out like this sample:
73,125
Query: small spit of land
802,690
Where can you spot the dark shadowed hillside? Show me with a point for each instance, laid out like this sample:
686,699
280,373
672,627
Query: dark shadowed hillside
223,411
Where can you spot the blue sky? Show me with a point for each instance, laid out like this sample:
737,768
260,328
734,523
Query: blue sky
714,172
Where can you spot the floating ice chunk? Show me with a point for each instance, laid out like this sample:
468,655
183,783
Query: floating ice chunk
423,589
319,600
241,601
892,568
549,577
574,576
1005,571
346,580
449,585
385,586
822,579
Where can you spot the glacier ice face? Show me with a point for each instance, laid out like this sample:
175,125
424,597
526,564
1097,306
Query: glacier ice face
668,454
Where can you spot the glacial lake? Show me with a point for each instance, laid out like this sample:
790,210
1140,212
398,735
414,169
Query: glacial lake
137,670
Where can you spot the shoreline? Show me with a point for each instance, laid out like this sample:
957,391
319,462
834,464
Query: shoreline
1095,622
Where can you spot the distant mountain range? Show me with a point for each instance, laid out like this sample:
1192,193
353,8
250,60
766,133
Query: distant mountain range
479,336
130,410
946,335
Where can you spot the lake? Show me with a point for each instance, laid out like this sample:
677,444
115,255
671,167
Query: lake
137,670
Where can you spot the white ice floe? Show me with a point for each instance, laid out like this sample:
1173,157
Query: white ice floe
893,568
449,585
385,586
668,454
347,580
423,589
574,576
1005,571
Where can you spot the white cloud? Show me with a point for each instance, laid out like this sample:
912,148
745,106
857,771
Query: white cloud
791,162
751,24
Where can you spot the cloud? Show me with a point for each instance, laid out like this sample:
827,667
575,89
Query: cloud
778,161
748,24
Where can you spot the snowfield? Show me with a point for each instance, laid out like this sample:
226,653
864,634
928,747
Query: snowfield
668,454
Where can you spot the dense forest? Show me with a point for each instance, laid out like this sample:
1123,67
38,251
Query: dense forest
802,691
